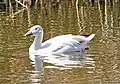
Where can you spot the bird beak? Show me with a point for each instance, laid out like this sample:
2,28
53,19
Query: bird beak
28,33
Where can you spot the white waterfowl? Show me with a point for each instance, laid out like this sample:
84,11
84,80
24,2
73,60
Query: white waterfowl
59,44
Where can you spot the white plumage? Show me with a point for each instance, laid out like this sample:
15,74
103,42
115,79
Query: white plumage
59,44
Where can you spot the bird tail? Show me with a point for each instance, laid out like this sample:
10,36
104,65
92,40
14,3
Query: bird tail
90,37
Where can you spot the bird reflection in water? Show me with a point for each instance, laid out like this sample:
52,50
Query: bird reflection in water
61,61
58,61
37,75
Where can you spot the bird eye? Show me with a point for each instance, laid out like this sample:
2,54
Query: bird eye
35,28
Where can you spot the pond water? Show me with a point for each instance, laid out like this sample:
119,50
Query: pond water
99,64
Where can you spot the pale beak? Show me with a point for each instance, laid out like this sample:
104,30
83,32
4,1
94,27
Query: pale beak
28,33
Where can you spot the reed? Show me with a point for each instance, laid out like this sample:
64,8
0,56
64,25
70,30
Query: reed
12,6
42,3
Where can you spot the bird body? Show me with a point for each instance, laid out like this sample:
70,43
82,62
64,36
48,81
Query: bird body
59,44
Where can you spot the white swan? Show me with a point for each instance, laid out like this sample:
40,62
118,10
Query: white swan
58,44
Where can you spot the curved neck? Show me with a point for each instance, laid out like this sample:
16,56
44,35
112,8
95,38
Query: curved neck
36,45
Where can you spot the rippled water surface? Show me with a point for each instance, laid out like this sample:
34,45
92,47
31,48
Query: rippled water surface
99,64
